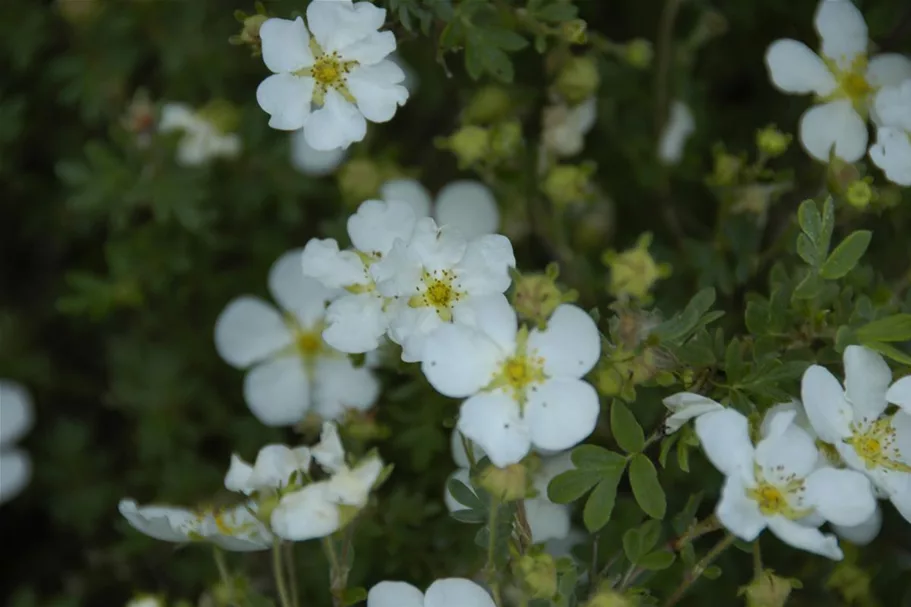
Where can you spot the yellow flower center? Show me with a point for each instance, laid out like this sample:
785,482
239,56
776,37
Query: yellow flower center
329,71
308,343
438,291
777,499
520,372
852,83
770,499
875,445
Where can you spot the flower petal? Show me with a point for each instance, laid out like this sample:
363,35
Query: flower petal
844,497
410,191
377,90
459,361
456,592
570,345
794,68
867,378
372,50
339,387
437,248
248,331
561,413
493,316
238,477
237,529
395,594
322,260
824,401
900,493
892,154
864,533
337,124
278,391
787,451
834,124
15,473
842,30
888,69
805,538
306,514
300,295
287,99
275,464
485,267
164,523
892,105
547,521
309,161
16,412
493,420
459,456
680,125
286,45
177,117
329,452
356,323
725,438
410,327
899,394
335,25
376,225
739,514
469,206
685,406
793,411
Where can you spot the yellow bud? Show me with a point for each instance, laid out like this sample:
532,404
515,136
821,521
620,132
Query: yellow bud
727,169
566,184
249,33
578,79
772,142
634,271
538,574
767,590
505,484
506,139
359,179
860,194
573,31
851,582
470,144
488,105
639,53
609,598
536,296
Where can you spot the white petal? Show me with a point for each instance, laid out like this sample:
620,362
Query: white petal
805,538
352,487
399,273
459,361
286,45
790,451
899,394
286,98
570,345
493,316
163,523
16,412
335,25
302,296
493,420
15,473
274,466
794,68
395,594
372,50
250,330
457,446
892,154
889,69
823,399
314,162
437,248
376,89
410,191
739,514
463,475
793,411
864,533
867,377
892,105
900,493
329,452
456,592
485,267
844,497
547,521
278,391
725,437
356,323
306,514
237,530
177,117
376,225
336,269
238,477
842,30
337,124
410,328
561,413
339,386
834,124
680,125
469,206
685,406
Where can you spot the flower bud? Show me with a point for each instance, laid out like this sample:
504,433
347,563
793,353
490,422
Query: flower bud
488,105
538,574
639,53
359,179
860,194
634,271
578,79
505,484
573,31
727,169
470,144
767,590
608,598
249,32
566,184
536,296
851,582
772,142
841,175
506,139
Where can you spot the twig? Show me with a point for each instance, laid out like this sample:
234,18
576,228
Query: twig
292,573
698,569
225,574
278,572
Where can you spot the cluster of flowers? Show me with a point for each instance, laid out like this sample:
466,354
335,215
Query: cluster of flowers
850,88
825,460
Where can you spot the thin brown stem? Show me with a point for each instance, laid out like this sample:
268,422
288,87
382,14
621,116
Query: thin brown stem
698,569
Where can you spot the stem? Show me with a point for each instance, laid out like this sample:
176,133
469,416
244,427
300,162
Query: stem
278,573
699,568
469,451
525,538
491,553
225,574
290,570
707,525
757,559
665,51
338,572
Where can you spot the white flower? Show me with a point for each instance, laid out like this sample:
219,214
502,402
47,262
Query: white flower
565,127
547,520
16,419
465,204
899,393
684,406
357,320
854,420
235,528
292,370
777,483
892,150
680,125
146,601
202,140
842,79
274,468
310,161
433,275
342,70
525,389
450,592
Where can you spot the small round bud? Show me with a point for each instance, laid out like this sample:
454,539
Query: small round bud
639,53
489,104
359,179
538,574
578,79
505,484
727,169
634,271
249,34
860,194
470,144
767,590
772,142
608,598
536,296
573,31
506,139
566,184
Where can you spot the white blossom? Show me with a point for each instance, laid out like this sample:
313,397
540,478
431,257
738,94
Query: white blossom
274,468
310,161
145,601
201,139
465,204
16,418
777,483
892,150
291,369
680,125
341,73
854,420
565,127
524,388
842,79
685,406
450,592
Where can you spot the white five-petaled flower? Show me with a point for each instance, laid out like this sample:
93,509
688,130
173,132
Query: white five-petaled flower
450,592
547,520
685,406
524,388
777,483
342,70
435,274
202,140
892,150
292,370
854,420
565,127
357,321
16,419
842,79
680,125
464,204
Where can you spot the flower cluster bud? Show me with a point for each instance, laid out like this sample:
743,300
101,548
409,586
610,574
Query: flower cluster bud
536,295
639,53
578,79
505,484
573,31
634,271
249,32
538,575
488,105
767,590
772,142
567,184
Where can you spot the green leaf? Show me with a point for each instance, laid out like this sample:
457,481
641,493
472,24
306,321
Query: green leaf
809,287
684,323
891,328
599,459
646,489
464,495
810,220
890,351
828,225
627,431
846,255
600,503
481,56
658,560
506,39
351,596
557,12
470,516
756,317
807,251
571,485
639,541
